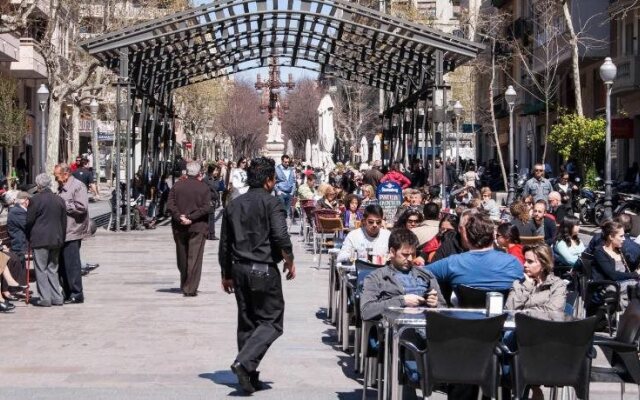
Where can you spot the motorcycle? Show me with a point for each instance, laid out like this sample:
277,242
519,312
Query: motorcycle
587,200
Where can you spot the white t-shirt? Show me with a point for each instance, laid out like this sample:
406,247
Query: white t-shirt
358,240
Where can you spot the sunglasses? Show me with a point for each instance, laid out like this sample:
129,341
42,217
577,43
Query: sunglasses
413,220
538,170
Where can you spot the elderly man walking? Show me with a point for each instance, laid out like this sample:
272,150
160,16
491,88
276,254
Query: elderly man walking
46,229
189,204
76,199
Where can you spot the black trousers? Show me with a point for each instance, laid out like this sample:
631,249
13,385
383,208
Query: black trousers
212,225
70,270
260,312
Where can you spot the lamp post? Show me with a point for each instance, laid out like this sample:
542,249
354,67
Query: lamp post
43,98
458,109
510,97
608,73
93,108
271,88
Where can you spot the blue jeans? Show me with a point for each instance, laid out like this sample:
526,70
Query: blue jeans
285,199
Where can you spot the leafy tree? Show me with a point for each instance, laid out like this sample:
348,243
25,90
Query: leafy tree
13,119
580,137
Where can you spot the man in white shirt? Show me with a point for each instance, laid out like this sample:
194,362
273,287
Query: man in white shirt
370,238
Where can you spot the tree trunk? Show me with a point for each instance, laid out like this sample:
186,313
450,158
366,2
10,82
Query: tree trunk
53,133
493,114
546,131
11,169
74,150
575,57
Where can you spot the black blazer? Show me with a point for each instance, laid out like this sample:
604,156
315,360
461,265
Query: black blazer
17,228
46,220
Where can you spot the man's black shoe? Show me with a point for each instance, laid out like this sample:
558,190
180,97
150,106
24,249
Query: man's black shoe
243,377
88,268
256,382
74,300
190,294
40,303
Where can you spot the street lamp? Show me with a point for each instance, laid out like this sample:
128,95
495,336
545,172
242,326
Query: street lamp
510,97
458,109
608,72
93,109
43,97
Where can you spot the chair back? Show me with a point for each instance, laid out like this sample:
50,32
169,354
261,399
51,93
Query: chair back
552,353
363,269
531,240
587,260
470,297
629,324
463,351
305,203
328,224
571,302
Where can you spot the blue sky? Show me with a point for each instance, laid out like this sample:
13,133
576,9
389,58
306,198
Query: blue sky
298,73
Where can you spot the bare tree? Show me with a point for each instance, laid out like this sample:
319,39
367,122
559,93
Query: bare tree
13,119
489,26
301,122
356,112
197,106
241,121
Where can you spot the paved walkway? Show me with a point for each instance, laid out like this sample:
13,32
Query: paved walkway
137,337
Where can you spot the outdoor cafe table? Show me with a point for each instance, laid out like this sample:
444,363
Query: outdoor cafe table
395,320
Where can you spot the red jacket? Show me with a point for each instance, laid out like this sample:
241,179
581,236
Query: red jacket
397,177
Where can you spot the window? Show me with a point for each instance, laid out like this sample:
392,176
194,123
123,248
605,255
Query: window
628,39
28,97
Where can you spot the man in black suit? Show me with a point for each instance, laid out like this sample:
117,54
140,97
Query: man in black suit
46,230
189,204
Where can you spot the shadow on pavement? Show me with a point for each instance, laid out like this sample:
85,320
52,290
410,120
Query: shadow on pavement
355,395
170,290
227,378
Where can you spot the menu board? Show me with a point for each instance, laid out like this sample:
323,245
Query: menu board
389,195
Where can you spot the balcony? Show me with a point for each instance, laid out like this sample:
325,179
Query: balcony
30,64
628,77
9,47
42,6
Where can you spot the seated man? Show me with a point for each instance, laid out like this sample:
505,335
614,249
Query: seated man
398,283
371,237
481,267
541,224
557,208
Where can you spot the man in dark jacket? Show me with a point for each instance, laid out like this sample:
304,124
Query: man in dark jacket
189,205
253,241
17,225
541,224
46,229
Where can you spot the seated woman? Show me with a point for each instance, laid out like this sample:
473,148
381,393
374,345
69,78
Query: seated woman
409,219
328,200
352,214
539,290
368,196
508,239
520,218
568,247
610,264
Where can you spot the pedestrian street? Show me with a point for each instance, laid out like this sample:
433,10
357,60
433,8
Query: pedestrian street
137,337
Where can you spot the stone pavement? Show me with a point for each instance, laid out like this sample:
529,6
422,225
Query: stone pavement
137,337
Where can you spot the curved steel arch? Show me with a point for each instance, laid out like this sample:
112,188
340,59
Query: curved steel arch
344,39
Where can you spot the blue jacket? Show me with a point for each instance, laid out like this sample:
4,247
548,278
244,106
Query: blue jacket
17,229
283,184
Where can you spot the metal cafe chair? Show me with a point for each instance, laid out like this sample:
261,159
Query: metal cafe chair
622,350
470,297
363,269
458,351
600,297
551,353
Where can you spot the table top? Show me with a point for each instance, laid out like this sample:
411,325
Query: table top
346,268
415,316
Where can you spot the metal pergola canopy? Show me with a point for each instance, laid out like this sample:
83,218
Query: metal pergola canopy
333,37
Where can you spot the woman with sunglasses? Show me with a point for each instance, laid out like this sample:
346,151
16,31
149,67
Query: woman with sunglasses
409,219
238,179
